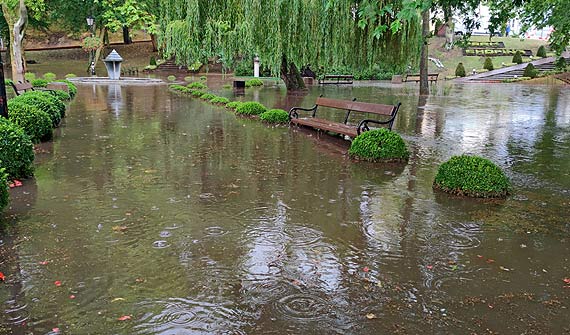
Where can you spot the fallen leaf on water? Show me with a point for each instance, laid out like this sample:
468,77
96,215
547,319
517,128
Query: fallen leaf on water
57,283
504,268
118,299
140,280
489,260
2,277
371,316
429,267
479,256
366,269
18,183
55,330
72,297
565,280
44,263
124,318
120,228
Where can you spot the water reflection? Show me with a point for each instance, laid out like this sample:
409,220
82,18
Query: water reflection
191,220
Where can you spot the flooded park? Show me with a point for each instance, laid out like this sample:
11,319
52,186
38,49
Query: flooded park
155,213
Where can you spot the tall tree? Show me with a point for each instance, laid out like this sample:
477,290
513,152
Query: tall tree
285,34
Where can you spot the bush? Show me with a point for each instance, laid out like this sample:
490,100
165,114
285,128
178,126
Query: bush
4,196
36,123
208,96
517,58
177,87
46,102
472,176
541,52
253,82
243,69
39,83
152,61
251,108
8,82
234,104
379,145
61,95
275,116
29,76
71,86
197,94
171,78
16,150
71,75
203,78
195,67
188,79
220,100
530,71
460,70
488,65
50,76
197,86
561,64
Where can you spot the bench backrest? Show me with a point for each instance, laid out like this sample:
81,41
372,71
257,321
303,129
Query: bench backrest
22,87
356,106
58,86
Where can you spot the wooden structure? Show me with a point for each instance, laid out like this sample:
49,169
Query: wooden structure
20,88
432,77
353,106
336,79
57,87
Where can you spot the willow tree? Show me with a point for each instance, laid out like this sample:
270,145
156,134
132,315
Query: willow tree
286,34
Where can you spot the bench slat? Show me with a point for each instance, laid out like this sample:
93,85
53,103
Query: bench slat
356,106
327,125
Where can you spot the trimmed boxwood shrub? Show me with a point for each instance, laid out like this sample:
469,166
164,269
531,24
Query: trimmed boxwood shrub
220,100
251,108
197,93
203,78
179,88
71,86
275,116
35,122
530,71
561,64
50,76
4,197
171,78
541,52
208,96
61,95
16,150
253,82
29,76
379,145
39,83
460,70
71,75
46,102
517,58
152,61
472,176
234,104
197,86
488,65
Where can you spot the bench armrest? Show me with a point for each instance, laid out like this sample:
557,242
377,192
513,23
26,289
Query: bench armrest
294,115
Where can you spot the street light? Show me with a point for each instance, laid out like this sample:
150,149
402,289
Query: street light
3,100
91,23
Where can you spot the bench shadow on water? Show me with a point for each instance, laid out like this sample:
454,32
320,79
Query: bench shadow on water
192,221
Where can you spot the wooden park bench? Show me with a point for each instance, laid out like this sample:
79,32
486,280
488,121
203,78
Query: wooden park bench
336,79
432,77
20,88
344,128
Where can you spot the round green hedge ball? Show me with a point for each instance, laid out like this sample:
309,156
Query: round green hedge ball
251,108
16,150
379,145
275,116
472,176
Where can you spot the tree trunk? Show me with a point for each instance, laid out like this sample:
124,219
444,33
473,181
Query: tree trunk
291,76
424,84
449,33
126,35
154,42
17,19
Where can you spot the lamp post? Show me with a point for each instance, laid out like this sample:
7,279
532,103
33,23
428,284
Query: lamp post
91,23
3,100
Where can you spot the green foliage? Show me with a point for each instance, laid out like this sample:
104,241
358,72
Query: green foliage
8,82
171,78
379,145
39,83
220,100
517,58
188,79
194,67
71,75
50,76
179,88
243,69
227,86
275,116
46,102
561,64
152,61
203,78
251,108
36,123
488,65
472,176
91,43
61,95
197,86
233,105
207,96
460,70
29,76
16,150
541,52
71,86
4,196
530,71
197,93
253,82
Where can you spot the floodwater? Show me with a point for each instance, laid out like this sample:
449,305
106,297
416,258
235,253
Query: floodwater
152,213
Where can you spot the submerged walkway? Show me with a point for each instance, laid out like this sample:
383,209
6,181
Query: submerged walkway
515,71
